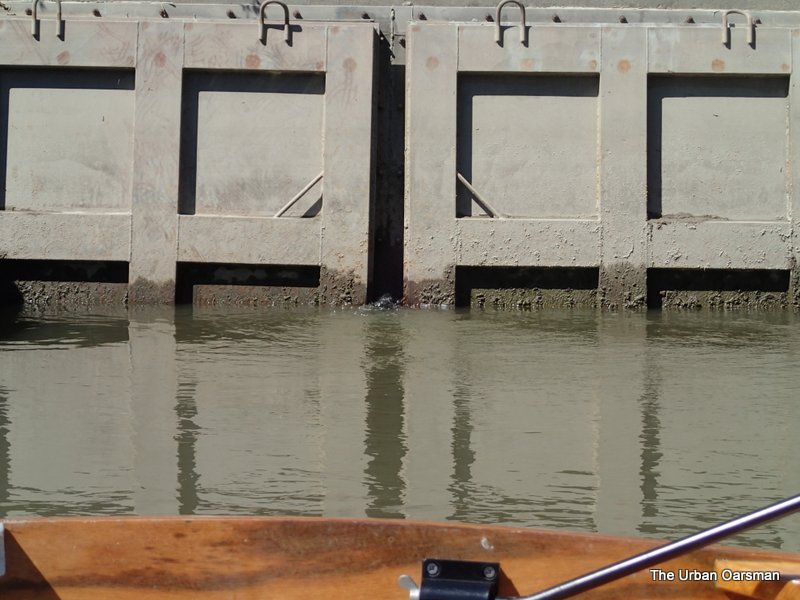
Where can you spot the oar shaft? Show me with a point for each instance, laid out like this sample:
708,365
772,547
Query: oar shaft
666,552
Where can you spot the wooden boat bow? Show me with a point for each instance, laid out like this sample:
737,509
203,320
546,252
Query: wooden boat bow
215,558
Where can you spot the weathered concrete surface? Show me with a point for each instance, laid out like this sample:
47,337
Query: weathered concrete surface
432,292
156,142
623,176
622,286
714,300
533,299
672,186
99,179
564,155
335,289
63,294
142,291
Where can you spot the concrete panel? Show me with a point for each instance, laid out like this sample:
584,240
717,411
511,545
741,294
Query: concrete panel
69,139
431,94
719,147
541,243
239,46
249,240
65,236
528,144
700,50
794,141
720,245
256,141
623,152
348,154
551,49
87,44
156,163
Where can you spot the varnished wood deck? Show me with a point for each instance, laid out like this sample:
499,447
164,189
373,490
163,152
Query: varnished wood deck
291,558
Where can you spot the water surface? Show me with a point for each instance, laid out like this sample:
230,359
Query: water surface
652,424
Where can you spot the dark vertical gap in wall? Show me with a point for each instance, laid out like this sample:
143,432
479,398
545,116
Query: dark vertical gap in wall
465,100
654,143
187,179
387,242
385,442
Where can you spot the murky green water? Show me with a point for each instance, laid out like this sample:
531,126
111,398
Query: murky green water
654,425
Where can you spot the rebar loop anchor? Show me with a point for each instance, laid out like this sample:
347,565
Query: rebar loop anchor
726,28
262,11
35,19
498,33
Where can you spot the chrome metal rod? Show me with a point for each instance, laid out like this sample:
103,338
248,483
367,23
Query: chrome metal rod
481,202
299,195
2,550
662,553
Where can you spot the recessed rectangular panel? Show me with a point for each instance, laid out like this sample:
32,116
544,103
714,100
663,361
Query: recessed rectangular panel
66,139
250,143
718,147
528,144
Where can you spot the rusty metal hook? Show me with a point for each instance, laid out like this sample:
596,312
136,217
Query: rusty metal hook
726,30
498,30
263,25
35,18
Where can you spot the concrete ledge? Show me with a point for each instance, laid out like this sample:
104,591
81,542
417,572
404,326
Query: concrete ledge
65,236
700,50
720,245
238,46
80,45
215,239
528,242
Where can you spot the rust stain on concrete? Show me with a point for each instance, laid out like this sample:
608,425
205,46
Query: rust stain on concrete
718,65
624,65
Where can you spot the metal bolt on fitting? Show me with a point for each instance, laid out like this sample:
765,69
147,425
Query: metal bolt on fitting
432,569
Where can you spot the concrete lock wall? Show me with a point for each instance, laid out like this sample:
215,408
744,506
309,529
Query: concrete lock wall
152,150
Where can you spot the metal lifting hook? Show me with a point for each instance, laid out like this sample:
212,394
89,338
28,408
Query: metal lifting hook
263,25
35,17
497,28
726,30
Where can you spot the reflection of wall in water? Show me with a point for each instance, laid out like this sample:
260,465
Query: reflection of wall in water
722,436
289,448
70,446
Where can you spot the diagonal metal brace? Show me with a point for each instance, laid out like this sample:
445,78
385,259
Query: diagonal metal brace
495,214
